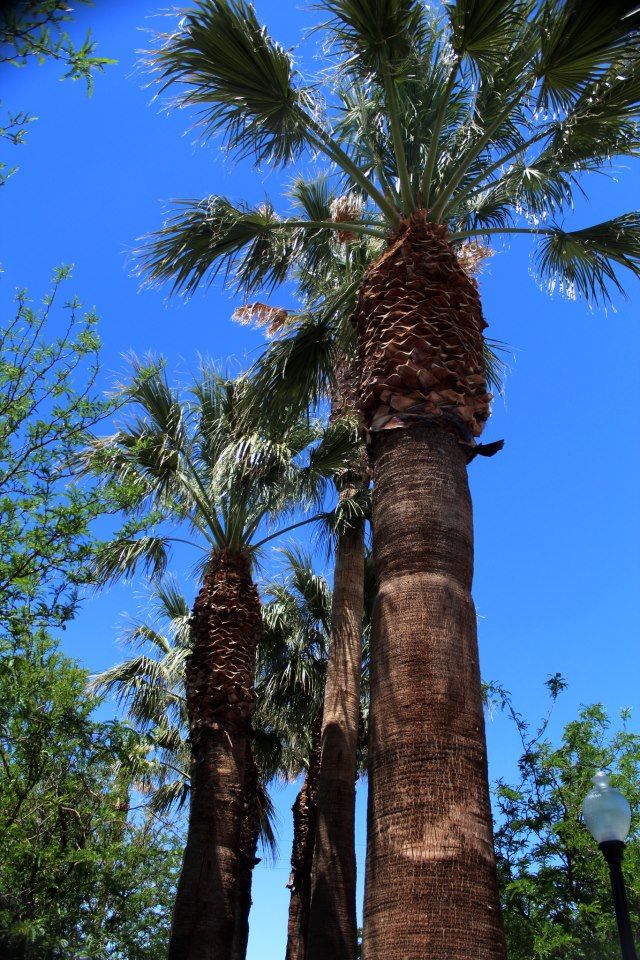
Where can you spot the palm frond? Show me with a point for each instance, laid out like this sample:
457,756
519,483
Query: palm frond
341,519
295,372
171,605
243,83
312,588
483,30
375,35
266,811
251,246
578,41
169,797
495,365
584,261
125,556
338,449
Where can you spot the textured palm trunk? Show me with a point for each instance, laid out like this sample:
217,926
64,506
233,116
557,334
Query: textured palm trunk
225,627
431,888
332,921
247,859
305,813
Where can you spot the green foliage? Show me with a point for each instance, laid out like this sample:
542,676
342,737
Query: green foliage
80,876
239,78
578,41
555,885
150,686
489,116
48,404
201,463
585,259
35,30
292,663
375,36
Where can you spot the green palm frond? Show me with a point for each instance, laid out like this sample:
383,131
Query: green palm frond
243,83
150,687
495,365
361,123
578,41
295,371
375,34
142,634
312,197
202,238
484,30
170,604
337,450
342,518
312,589
603,122
124,556
267,822
169,797
584,261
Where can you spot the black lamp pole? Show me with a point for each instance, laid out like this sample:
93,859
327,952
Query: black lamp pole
613,852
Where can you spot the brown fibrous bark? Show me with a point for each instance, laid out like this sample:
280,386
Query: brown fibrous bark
225,627
305,818
419,322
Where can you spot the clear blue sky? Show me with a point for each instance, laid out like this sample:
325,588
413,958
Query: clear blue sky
557,518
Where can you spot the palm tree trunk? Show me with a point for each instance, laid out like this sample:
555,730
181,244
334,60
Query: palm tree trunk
332,921
249,833
225,626
305,813
431,887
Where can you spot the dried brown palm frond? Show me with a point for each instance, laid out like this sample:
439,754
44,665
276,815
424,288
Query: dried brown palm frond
346,209
472,257
263,316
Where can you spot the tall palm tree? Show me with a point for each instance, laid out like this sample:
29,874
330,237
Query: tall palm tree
195,464
442,130
293,662
311,362
151,686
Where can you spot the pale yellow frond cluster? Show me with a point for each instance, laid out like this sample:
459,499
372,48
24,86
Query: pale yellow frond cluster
346,209
262,316
472,257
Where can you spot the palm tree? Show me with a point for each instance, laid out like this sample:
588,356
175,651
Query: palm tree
292,661
442,131
312,361
151,686
293,669
195,464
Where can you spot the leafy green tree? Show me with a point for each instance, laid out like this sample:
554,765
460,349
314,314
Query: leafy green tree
554,882
48,404
199,466
80,876
442,130
35,30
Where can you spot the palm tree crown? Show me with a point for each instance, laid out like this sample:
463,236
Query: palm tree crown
197,464
485,117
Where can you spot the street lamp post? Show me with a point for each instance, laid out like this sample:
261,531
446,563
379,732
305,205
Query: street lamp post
607,816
